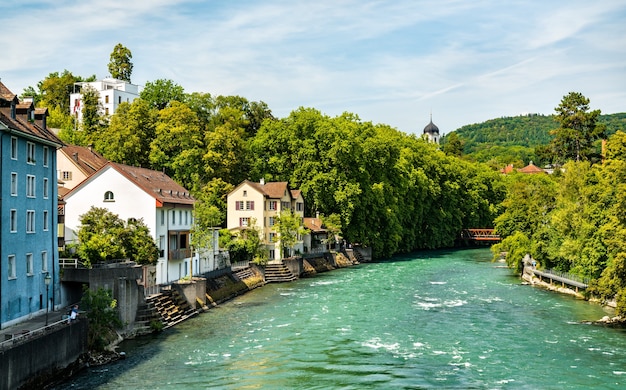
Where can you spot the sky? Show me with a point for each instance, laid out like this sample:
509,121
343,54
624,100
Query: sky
394,62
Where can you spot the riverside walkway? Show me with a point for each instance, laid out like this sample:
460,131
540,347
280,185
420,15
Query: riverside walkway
564,278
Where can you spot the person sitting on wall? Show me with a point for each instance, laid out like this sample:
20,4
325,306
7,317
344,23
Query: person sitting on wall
73,314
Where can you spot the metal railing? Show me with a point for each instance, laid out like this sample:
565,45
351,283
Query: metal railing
21,336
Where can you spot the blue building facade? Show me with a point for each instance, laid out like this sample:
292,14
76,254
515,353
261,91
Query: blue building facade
28,211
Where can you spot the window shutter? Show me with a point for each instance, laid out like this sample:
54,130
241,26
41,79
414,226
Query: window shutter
251,205
237,206
240,221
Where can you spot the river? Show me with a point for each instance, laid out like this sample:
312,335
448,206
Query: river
440,319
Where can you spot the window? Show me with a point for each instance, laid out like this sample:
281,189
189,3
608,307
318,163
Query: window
272,237
186,217
46,157
13,148
284,205
30,155
244,221
13,184
106,99
66,175
30,186
299,206
29,264
106,110
11,269
273,205
46,224
173,217
180,216
162,217
30,221
249,205
45,188
245,193
44,261
271,257
119,100
239,205
271,221
109,197
13,222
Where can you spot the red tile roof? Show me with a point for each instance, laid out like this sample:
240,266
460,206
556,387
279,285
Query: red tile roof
531,169
163,188
313,224
85,159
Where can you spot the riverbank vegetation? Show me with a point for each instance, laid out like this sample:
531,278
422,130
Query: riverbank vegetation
574,220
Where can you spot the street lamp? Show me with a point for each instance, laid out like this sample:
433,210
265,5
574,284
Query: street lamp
47,280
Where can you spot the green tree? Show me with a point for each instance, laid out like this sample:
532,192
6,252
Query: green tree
616,146
578,129
453,145
99,236
161,93
131,130
138,243
290,229
247,245
101,310
177,146
93,121
103,236
120,65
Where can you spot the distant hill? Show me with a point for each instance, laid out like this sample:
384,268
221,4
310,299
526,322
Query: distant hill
528,130
513,139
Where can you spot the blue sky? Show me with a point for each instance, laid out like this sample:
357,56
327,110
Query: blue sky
391,62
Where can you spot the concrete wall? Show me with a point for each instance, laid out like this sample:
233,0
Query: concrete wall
295,265
37,360
120,279
195,289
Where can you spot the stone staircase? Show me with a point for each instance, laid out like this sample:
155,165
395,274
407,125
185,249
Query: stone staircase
278,273
146,314
172,307
244,273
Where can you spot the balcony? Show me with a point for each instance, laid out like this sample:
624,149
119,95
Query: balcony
179,254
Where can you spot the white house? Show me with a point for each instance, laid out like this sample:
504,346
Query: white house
112,93
165,207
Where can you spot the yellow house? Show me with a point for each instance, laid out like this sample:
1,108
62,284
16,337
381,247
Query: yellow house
259,204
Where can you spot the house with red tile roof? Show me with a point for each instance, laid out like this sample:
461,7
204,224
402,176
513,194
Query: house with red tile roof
76,163
259,204
164,205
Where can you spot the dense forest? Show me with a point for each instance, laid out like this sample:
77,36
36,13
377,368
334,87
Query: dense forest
518,139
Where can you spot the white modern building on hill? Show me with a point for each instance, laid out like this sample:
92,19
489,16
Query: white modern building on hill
112,93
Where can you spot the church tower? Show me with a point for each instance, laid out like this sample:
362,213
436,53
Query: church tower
432,131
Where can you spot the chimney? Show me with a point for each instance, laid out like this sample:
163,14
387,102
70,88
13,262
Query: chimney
262,181
317,214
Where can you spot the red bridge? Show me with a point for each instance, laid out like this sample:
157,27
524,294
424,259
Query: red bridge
479,235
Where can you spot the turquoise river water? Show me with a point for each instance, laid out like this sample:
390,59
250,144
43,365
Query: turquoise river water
443,319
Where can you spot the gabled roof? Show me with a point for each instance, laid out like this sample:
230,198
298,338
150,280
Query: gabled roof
85,159
530,169
274,190
20,124
5,93
315,225
295,193
156,184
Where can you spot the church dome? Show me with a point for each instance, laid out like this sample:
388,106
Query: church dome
431,128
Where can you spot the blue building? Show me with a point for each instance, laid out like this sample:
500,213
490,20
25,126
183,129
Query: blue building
28,211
